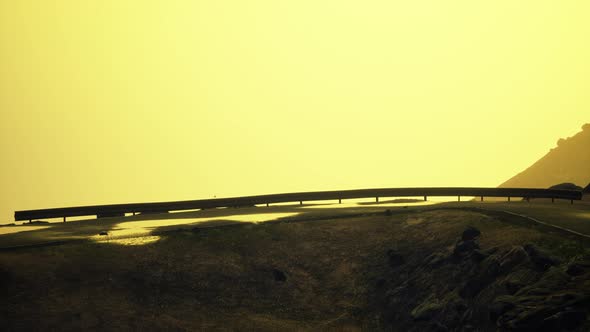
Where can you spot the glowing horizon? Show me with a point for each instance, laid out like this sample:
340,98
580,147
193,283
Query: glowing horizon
116,102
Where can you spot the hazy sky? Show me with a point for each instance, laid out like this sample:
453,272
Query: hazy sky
116,101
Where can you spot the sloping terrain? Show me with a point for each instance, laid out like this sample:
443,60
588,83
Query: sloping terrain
443,269
568,162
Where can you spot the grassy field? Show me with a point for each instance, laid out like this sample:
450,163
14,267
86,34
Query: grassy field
314,270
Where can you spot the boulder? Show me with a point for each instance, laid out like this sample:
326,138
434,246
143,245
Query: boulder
578,268
541,260
479,255
513,257
470,233
465,247
489,270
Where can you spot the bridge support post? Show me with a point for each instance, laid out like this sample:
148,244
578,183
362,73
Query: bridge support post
300,202
508,199
64,219
458,198
425,198
481,199
266,204
376,199
339,200
552,199
572,202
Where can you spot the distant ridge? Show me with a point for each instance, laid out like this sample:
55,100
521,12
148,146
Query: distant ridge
569,162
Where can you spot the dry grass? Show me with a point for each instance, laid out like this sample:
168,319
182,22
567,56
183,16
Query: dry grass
225,278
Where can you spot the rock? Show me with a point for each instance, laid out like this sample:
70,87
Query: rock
464,247
394,258
500,306
279,275
578,268
473,286
468,328
479,255
491,267
513,257
438,327
553,279
436,259
426,310
565,319
538,305
541,260
542,319
512,286
488,271
519,279
470,233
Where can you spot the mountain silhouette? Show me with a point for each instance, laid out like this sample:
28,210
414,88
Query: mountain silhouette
569,162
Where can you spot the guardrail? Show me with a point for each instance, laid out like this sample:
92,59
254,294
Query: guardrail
120,209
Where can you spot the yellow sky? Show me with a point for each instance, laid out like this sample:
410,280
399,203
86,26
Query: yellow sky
126,101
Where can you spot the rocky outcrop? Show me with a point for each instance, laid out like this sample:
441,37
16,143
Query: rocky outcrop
515,288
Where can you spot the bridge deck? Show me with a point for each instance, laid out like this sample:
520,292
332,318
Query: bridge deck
161,207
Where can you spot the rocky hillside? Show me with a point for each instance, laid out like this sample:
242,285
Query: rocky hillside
568,162
472,288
